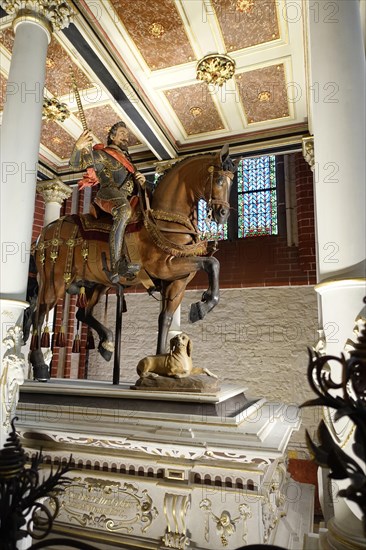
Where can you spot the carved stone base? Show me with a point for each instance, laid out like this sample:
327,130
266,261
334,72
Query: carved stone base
168,470
197,384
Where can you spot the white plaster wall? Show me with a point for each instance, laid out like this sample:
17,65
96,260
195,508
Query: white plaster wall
256,337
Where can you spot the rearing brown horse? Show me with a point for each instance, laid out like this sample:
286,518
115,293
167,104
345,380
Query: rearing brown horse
166,244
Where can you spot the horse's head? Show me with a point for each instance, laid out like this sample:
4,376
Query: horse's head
221,177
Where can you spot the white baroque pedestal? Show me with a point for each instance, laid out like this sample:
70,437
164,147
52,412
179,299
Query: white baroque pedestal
162,470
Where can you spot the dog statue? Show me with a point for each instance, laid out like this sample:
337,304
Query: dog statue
177,363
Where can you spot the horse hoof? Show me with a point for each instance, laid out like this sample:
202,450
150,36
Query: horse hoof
205,297
106,349
196,313
41,373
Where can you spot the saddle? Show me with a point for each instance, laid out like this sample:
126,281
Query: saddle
97,224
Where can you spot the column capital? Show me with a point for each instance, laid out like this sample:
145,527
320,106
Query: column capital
50,14
308,151
54,190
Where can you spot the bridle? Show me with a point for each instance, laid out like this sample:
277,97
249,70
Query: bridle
212,202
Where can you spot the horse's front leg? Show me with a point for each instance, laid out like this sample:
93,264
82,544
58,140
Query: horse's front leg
211,297
106,345
172,295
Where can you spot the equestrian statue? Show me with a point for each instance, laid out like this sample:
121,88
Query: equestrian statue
125,240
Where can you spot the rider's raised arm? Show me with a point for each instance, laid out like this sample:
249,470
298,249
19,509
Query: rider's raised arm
82,155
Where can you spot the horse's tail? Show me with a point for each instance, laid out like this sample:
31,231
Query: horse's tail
31,297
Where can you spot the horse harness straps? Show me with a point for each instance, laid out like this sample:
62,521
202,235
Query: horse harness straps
174,217
224,173
70,256
180,250
55,242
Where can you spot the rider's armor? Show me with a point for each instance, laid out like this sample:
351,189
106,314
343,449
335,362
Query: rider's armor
116,185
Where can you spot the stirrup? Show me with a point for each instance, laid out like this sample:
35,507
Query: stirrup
125,269
112,275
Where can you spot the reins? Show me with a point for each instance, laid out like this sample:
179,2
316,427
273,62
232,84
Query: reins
151,217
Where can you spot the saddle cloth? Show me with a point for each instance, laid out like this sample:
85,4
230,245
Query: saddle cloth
97,225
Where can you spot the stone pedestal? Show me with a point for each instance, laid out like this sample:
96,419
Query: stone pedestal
163,470
197,384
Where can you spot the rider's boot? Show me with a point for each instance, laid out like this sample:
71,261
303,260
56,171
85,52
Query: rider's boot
120,267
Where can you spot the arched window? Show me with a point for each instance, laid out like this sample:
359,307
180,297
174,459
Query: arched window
257,197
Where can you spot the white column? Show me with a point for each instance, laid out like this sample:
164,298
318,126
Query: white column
20,137
337,94
54,192
337,86
21,130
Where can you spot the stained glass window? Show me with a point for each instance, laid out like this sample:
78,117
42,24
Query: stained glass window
257,197
210,230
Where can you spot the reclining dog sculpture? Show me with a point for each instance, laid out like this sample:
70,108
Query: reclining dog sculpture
177,363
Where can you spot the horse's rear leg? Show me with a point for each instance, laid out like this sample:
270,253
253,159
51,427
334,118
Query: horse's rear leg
36,358
106,345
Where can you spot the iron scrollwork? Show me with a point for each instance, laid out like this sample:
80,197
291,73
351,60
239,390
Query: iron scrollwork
348,398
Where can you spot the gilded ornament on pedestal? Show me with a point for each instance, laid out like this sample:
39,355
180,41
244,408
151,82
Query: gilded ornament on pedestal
175,509
107,505
13,373
225,524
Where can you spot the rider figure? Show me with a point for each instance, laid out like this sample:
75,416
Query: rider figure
112,168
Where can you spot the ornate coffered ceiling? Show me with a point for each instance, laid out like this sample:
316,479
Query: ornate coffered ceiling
136,61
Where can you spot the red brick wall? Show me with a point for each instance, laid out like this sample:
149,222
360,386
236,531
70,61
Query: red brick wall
269,261
306,471
38,216
305,215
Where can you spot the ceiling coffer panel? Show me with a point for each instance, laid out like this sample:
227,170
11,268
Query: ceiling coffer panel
246,23
55,139
7,38
58,80
263,93
58,64
195,109
101,119
157,30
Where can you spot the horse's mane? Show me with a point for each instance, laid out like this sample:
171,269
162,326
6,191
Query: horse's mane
179,162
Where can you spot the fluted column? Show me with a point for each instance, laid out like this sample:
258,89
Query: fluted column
33,24
337,95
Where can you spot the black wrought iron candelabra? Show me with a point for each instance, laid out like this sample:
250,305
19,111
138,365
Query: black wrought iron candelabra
23,509
348,398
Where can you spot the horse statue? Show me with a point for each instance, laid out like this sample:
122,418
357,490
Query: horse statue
71,252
